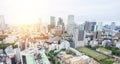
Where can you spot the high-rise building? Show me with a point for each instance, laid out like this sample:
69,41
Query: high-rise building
81,27
52,21
97,34
90,26
71,19
81,35
78,36
27,58
60,21
93,24
113,25
87,26
70,24
2,22
81,32
75,36
39,24
99,26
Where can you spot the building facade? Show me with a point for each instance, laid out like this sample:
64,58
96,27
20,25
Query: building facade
70,24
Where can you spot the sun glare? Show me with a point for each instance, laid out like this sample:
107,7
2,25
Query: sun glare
27,11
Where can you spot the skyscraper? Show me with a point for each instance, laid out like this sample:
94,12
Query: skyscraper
99,26
81,27
112,25
97,35
87,26
60,21
90,26
39,24
52,21
79,36
75,36
2,22
71,19
70,24
93,26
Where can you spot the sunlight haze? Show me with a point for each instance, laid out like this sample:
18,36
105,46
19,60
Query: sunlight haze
28,11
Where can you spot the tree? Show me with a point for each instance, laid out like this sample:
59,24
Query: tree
51,56
58,62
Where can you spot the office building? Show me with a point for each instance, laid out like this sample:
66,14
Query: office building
33,56
97,34
52,21
27,58
81,27
70,24
87,26
78,37
93,26
61,24
81,35
99,26
112,25
2,22
39,24
90,26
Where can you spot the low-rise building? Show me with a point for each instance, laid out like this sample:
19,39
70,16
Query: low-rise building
33,56
93,43
117,45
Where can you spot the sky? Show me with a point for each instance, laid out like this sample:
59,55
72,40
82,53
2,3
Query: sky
28,11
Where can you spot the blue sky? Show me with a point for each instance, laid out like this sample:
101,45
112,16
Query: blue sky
28,11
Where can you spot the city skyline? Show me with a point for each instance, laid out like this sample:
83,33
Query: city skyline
59,32
28,11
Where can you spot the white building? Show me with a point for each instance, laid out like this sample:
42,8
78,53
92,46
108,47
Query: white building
2,22
78,60
27,57
17,52
117,45
71,24
93,43
52,21
99,26
78,37
10,51
112,25
105,42
64,44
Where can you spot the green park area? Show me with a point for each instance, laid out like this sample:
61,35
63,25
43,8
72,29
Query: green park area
102,59
104,49
115,51
92,53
